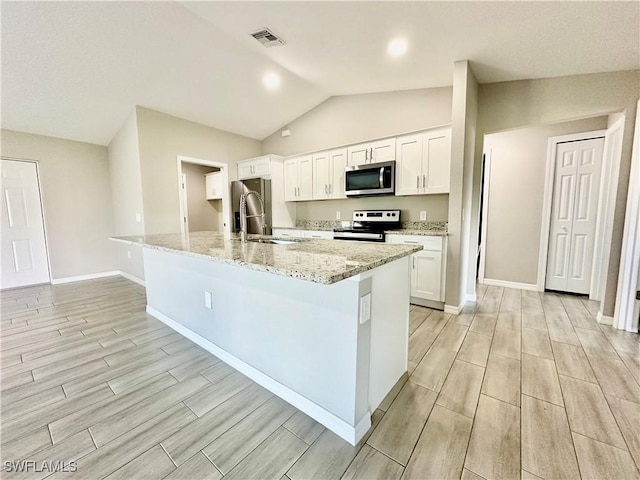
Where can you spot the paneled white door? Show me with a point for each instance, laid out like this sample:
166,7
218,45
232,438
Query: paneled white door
24,250
573,215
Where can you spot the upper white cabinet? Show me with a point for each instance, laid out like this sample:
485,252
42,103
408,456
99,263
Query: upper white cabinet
254,167
328,174
213,185
298,178
423,161
372,152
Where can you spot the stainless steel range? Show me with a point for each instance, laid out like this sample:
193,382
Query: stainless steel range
369,225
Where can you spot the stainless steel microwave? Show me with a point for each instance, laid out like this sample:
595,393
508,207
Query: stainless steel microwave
371,179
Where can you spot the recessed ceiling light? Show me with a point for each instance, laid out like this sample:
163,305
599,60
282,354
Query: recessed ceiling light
397,47
271,80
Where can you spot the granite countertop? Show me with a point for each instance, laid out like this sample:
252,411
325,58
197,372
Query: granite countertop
426,233
319,261
424,228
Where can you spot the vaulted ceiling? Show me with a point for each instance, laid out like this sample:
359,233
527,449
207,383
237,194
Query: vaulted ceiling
76,69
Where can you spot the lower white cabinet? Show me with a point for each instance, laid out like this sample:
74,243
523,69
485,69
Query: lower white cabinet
427,266
286,232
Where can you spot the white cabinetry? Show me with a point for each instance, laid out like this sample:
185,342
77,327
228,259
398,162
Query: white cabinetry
255,167
285,232
427,268
372,152
298,178
328,174
213,185
423,161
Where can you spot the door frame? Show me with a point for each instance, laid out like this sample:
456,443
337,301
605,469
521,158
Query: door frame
623,317
184,204
550,170
226,204
484,213
42,212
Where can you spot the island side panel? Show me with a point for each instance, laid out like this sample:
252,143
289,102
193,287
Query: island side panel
391,287
304,335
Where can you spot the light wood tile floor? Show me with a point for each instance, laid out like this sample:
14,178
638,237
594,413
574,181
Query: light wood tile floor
519,385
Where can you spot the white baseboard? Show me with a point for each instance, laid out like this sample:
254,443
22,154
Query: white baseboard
603,319
79,278
348,432
452,309
503,283
128,276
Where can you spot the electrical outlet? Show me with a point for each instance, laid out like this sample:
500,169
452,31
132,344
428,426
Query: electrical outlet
207,300
138,217
423,215
365,308
338,214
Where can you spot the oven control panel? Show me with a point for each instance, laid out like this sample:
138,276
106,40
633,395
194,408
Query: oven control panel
376,216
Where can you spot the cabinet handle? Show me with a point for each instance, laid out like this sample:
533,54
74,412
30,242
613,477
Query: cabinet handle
330,188
371,155
414,262
424,181
410,241
326,189
417,181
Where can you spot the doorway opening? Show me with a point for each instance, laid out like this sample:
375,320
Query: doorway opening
204,195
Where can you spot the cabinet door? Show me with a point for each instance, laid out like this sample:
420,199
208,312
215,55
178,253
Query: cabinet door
437,160
321,178
338,164
245,170
358,154
305,178
261,167
213,186
409,165
426,276
291,180
383,150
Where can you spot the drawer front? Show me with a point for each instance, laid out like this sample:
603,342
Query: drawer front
281,232
319,234
428,242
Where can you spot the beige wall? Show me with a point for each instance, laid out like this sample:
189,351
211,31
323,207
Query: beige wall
126,194
351,119
508,105
161,139
516,191
203,214
76,196
463,128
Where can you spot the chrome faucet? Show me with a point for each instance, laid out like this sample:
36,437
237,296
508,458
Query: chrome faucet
244,216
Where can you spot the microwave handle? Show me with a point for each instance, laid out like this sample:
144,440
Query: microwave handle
381,177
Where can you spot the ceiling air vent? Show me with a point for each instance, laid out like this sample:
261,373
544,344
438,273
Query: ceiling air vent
267,38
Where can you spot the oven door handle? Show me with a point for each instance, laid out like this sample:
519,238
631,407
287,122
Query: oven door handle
381,177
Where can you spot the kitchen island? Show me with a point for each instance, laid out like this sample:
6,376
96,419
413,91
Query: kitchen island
321,323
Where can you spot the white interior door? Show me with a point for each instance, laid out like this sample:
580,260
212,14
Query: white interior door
573,215
24,249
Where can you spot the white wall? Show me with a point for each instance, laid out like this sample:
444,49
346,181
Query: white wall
77,200
508,105
126,193
515,197
161,139
348,119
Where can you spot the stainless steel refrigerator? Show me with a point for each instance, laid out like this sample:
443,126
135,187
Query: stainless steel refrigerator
263,187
